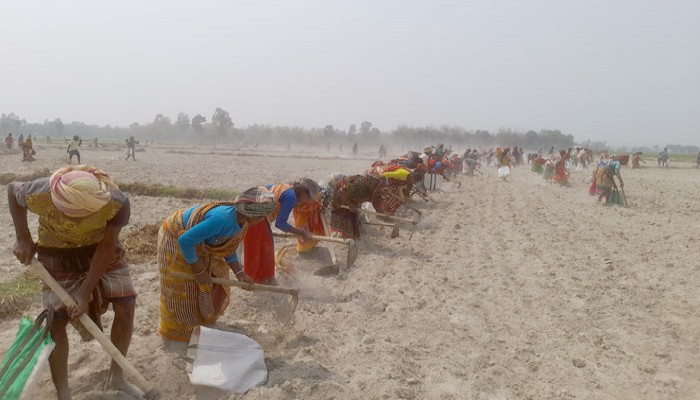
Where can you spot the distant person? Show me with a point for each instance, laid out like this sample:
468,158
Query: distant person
551,151
131,148
560,175
95,143
28,149
636,158
9,142
73,149
605,174
48,139
354,150
697,161
663,158
20,141
340,149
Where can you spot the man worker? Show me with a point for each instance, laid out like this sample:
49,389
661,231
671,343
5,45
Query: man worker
81,213
73,149
131,148
9,142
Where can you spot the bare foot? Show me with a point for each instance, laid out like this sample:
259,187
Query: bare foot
118,383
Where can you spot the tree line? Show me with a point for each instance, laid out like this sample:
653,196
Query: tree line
220,128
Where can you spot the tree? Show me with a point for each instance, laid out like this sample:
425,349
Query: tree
58,126
352,130
328,131
161,121
221,121
198,122
365,128
183,122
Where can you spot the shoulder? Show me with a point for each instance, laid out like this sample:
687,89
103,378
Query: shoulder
119,197
288,195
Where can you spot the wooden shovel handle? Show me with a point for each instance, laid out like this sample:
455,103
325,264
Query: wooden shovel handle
347,242
231,282
107,345
390,217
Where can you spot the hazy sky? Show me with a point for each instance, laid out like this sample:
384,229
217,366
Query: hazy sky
623,71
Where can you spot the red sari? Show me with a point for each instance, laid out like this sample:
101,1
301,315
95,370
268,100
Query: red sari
560,171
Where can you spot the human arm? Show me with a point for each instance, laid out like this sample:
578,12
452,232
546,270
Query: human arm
238,270
208,228
24,245
288,200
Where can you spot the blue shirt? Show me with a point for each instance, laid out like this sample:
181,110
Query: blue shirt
288,200
219,224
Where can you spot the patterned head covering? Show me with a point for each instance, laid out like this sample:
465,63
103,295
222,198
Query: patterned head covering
255,202
313,188
80,190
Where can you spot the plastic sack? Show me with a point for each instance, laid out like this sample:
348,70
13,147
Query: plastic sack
504,172
614,197
26,357
432,182
225,360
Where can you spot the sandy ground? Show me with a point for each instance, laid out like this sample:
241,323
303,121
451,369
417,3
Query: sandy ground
518,290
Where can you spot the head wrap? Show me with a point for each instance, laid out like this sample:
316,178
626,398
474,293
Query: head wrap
80,190
312,187
255,202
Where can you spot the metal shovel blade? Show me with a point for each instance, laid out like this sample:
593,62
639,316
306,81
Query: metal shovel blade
285,310
395,231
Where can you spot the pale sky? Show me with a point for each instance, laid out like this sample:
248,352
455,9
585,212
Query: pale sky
623,71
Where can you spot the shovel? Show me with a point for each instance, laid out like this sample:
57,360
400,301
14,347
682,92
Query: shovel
334,259
352,247
394,231
391,218
150,392
408,205
283,312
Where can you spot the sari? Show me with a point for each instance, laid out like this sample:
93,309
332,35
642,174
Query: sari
560,171
184,304
258,245
352,190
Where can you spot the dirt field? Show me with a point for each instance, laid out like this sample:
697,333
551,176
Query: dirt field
517,290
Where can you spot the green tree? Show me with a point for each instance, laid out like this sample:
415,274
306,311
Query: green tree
328,131
198,122
365,128
183,122
221,121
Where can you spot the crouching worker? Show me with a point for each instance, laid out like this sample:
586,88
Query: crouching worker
303,198
81,213
202,241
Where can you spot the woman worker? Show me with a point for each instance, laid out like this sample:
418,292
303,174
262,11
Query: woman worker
202,241
302,197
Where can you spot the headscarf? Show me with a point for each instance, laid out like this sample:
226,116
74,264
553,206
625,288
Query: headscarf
255,202
80,190
313,188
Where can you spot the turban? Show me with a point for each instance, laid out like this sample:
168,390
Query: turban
255,202
80,190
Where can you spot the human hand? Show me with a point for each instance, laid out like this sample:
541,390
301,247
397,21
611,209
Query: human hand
242,277
306,235
24,250
81,306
